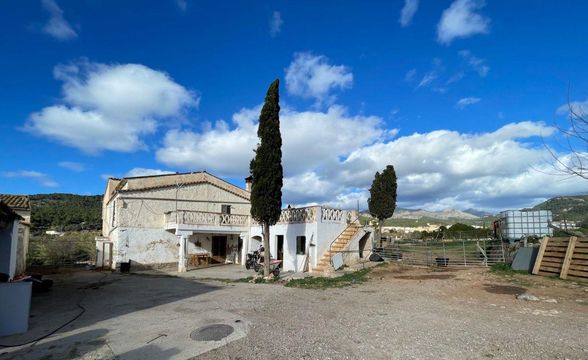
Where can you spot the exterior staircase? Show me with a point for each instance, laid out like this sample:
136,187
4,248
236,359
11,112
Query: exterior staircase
324,264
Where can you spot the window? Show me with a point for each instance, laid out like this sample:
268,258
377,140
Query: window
300,245
226,209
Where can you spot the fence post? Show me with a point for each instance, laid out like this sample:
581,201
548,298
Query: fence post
465,262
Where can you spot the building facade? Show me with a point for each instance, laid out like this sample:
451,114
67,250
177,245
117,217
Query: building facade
20,204
196,219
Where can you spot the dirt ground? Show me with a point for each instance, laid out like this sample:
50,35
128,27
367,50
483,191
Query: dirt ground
406,312
399,313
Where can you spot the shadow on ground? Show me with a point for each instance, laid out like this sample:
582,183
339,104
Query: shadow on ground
99,296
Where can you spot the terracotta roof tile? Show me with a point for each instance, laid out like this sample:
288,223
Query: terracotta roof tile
16,201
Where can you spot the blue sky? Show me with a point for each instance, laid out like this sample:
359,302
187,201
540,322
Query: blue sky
457,95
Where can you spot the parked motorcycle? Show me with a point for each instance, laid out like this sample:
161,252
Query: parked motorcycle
253,260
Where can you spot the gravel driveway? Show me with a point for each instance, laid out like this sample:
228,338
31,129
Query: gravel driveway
412,313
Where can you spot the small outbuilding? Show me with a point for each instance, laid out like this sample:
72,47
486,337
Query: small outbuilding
15,224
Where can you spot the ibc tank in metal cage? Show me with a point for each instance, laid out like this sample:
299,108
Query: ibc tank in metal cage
515,224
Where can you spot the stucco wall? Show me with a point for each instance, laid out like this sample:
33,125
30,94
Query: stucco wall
146,209
8,247
22,248
292,262
144,246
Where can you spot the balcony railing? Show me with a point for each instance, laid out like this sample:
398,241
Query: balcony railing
189,217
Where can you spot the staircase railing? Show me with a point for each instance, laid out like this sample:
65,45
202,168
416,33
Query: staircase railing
351,223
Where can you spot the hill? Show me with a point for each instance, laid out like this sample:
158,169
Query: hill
573,208
440,215
65,212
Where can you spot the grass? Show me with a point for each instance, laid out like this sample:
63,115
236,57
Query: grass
505,269
257,280
348,279
517,277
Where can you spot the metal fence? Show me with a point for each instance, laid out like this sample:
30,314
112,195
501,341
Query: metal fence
464,252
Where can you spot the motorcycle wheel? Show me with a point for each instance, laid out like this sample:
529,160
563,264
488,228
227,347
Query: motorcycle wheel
247,265
276,272
256,267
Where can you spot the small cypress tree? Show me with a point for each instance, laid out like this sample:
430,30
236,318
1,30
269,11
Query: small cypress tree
266,169
382,201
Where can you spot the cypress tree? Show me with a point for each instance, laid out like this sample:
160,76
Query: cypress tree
382,201
266,169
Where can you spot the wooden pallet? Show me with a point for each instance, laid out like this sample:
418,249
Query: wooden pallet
563,257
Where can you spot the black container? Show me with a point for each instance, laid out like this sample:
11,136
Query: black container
442,261
125,267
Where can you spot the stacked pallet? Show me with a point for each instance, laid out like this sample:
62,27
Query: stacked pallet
563,257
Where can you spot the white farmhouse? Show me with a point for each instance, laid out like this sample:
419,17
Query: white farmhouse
195,219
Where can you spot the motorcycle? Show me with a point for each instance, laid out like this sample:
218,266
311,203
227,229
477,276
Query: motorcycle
253,260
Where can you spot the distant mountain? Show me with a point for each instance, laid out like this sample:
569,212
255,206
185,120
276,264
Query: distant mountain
65,212
573,208
478,213
448,214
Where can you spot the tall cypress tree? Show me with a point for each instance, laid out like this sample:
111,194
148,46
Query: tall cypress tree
266,169
382,201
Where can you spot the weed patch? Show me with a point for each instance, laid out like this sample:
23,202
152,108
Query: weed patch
348,279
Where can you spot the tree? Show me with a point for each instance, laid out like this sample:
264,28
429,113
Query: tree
576,143
382,201
266,169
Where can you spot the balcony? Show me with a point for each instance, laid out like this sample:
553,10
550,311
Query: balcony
206,221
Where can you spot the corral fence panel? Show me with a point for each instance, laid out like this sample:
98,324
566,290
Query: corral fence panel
445,253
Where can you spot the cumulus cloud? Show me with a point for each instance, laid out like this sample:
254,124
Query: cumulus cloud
57,26
226,148
73,166
407,13
330,157
461,20
311,76
477,64
139,171
39,177
276,23
467,101
110,107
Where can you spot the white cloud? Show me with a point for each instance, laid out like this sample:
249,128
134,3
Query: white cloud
578,108
408,10
467,101
427,79
227,150
460,20
110,107
276,23
57,26
330,157
37,176
73,166
479,65
410,74
311,76
139,171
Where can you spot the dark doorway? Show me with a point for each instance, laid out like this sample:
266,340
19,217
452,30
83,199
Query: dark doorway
362,244
280,247
219,246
